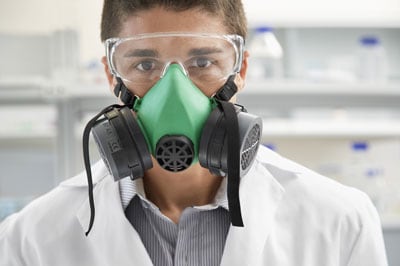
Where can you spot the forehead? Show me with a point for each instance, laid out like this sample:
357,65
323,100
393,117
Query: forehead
161,20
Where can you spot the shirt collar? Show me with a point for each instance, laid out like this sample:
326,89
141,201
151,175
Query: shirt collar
129,188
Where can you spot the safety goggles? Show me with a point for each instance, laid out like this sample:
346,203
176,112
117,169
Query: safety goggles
207,59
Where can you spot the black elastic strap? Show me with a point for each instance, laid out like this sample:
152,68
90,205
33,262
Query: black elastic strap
232,126
226,92
122,92
85,142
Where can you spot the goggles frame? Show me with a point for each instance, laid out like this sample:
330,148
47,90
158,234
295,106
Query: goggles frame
237,42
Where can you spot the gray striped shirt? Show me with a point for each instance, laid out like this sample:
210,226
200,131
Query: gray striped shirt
198,238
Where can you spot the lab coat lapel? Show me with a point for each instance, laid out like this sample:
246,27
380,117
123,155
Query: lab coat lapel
260,194
112,235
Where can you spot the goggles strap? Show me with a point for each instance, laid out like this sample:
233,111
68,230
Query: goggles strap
229,89
232,127
122,92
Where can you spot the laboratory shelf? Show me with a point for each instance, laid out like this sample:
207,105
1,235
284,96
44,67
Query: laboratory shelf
289,86
391,223
31,90
290,94
289,128
16,137
327,23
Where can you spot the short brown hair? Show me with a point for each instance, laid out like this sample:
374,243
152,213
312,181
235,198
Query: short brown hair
116,11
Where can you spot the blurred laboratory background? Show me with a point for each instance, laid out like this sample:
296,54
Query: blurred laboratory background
324,75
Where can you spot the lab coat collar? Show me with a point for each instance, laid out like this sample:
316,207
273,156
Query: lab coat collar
99,171
260,194
112,234
272,160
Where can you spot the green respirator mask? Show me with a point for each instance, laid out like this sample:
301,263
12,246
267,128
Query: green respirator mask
179,126
172,115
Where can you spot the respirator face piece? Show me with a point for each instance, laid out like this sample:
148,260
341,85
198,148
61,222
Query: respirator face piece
176,124
172,115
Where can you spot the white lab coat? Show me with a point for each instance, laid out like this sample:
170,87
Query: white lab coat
292,217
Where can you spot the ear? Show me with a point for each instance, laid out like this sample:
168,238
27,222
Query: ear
111,79
241,77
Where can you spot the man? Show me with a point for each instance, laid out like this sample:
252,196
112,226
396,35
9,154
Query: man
175,214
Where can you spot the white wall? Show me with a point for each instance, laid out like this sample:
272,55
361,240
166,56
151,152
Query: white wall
36,16
320,12
45,16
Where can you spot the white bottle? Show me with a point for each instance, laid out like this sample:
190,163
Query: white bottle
365,174
375,187
372,60
266,54
357,164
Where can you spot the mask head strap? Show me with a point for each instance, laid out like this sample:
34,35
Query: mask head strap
85,142
122,92
223,95
232,127
229,89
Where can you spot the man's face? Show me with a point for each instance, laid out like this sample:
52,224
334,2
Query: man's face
159,20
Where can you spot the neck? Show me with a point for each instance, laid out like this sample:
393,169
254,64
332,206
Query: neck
173,192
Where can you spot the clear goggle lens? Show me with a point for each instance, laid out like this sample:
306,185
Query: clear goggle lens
207,59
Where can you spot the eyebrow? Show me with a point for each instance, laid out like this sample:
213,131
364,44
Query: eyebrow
141,53
154,53
204,51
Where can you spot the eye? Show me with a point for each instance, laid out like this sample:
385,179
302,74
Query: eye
202,62
146,65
